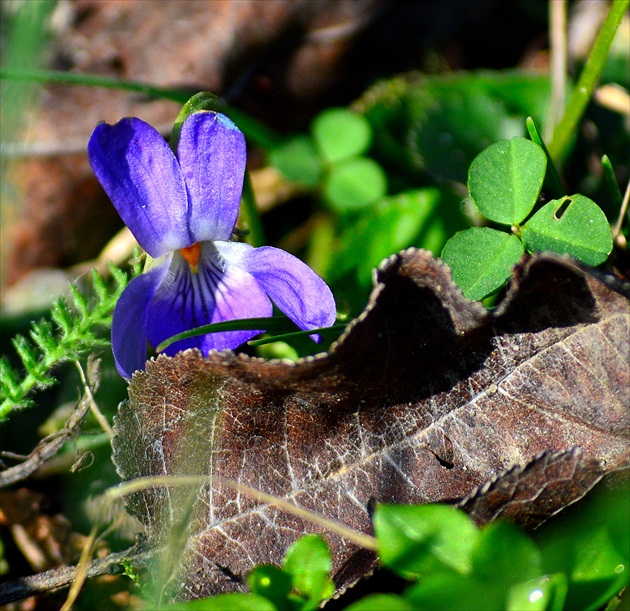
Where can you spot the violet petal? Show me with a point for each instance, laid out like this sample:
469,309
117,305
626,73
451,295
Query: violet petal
141,176
217,292
212,155
293,286
129,323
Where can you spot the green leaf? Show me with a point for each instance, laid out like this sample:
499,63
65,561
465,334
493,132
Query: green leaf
591,545
505,179
546,593
573,225
297,160
308,562
450,590
227,602
271,582
416,541
354,184
381,602
341,133
401,220
437,124
481,259
503,553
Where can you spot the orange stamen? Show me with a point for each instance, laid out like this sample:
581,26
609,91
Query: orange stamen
192,254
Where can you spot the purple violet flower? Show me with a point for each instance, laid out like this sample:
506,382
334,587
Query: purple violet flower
182,210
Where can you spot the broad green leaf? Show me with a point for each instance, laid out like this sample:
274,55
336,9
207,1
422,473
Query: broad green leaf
354,184
227,602
481,259
297,160
546,593
308,562
591,545
381,602
416,541
502,553
341,133
450,590
505,179
393,224
437,124
573,225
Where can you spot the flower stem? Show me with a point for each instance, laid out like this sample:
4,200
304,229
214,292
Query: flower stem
588,79
250,216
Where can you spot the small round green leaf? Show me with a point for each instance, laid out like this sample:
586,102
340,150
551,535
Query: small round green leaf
341,134
308,554
481,259
271,582
419,540
297,160
505,179
573,225
355,184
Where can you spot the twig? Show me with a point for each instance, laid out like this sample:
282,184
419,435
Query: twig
56,579
47,447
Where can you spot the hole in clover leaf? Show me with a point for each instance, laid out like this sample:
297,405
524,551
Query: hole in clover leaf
562,208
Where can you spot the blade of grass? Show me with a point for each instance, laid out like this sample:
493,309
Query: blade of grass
552,177
255,131
274,323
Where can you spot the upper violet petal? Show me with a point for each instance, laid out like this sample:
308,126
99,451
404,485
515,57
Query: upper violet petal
212,155
216,292
129,323
293,286
141,176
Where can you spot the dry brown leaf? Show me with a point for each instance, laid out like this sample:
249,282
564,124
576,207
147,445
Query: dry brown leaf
427,397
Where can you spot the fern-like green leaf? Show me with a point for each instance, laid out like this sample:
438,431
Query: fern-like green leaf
75,330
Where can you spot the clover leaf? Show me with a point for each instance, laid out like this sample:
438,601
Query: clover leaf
574,225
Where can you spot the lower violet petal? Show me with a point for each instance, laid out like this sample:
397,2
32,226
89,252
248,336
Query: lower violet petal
129,323
293,286
216,292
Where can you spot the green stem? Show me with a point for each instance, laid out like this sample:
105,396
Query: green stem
250,215
253,129
552,176
588,79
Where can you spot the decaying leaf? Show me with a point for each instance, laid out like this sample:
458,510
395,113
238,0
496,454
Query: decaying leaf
426,398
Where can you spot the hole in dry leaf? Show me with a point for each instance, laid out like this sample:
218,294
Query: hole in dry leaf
562,208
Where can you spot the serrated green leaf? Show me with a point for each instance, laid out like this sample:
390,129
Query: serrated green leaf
354,184
573,225
505,179
341,134
297,160
416,541
481,259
